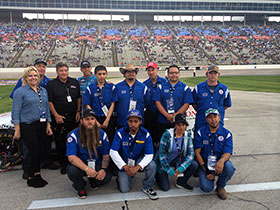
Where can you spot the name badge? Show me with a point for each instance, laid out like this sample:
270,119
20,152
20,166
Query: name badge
132,105
211,162
170,106
43,115
69,99
130,162
105,110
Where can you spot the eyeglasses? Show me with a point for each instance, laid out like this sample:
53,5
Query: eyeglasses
174,72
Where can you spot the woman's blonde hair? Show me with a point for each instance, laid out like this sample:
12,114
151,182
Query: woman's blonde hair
26,72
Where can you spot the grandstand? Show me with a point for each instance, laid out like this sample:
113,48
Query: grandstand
186,33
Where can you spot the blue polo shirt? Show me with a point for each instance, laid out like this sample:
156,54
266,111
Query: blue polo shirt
85,82
97,98
181,94
43,83
205,99
122,96
222,142
75,148
141,144
150,106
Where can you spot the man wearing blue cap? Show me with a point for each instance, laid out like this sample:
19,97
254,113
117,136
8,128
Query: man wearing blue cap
213,148
88,77
132,150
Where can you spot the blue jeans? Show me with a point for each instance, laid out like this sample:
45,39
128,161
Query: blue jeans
163,180
124,181
207,185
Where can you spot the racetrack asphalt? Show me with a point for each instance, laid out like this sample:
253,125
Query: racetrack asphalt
254,120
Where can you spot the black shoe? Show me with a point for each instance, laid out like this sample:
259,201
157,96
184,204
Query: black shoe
51,166
38,176
25,175
82,194
63,170
184,186
35,182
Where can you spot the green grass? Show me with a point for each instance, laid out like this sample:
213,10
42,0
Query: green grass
245,83
5,100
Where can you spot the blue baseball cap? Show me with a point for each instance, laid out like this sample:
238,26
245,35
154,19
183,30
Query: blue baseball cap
134,113
211,111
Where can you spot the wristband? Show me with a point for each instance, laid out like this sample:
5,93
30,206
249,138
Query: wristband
86,169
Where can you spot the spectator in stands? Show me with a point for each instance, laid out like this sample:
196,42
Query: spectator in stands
151,112
171,98
130,94
87,78
40,65
31,117
210,93
84,144
175,156
132,150
65,105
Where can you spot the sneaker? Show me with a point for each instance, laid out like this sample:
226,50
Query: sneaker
63,170
25,175
151,194
35,182
82,194
222,193
38,176
184,186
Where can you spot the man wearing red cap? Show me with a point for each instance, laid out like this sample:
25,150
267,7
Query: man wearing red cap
151,112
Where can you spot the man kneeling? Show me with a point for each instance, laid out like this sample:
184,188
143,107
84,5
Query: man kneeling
213,148
88,154
132,150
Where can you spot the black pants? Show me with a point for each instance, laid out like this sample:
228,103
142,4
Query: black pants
161,129
35,139
60,132
111,129
150,123
76,175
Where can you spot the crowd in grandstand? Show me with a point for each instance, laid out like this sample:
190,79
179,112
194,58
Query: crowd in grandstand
164,43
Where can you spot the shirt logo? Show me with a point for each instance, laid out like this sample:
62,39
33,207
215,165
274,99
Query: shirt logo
221,92
95,94
166,90
205,141
69,140
123,92
204,94
82,80
220,138
72,86
125,143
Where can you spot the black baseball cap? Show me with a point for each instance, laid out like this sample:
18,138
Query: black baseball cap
85,64
39,60
181,118
88,112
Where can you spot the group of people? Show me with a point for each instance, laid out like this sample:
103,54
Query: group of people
101,129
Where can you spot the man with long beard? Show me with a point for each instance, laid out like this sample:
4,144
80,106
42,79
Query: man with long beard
88,155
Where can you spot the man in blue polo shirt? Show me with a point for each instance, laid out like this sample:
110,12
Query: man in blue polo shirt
151,112
99,97
213,148
210,93
171,98
88,154
130,94
132,150
87,78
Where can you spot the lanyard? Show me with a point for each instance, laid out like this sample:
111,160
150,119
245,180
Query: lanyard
177,145
212,143
67,90
99,94
131,144
172,89
43,82
40,97
131,90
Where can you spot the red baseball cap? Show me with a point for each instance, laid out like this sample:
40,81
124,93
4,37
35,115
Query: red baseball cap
152,64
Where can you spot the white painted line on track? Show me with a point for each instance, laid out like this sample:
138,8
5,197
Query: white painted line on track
120,197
